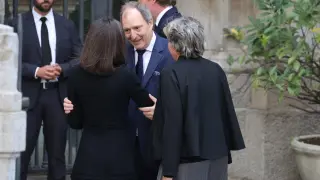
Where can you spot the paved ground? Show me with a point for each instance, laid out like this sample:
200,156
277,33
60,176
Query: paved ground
41,177
44,178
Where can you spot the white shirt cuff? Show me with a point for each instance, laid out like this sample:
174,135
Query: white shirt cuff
35,73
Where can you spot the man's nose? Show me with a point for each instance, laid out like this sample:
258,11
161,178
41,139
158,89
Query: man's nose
133,35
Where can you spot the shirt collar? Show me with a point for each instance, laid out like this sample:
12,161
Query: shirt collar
161,14
151,44
37,16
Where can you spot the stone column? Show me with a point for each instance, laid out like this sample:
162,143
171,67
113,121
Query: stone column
12,118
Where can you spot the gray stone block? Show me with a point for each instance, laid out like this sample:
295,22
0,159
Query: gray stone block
268,134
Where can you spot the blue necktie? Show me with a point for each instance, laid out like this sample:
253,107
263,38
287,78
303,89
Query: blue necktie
139,65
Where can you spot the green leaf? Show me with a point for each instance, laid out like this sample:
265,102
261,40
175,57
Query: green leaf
280,87
296,81
291,76
296,66
264,40
230,60
291,91
291,60
274,78
242,59
273,70
260,71
256,83
302,72
269,29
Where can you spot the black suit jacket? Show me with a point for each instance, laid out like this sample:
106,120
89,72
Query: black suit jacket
68,46
194,116
169,16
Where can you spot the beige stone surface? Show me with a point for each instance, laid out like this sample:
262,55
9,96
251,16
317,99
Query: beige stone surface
2,11
12,119
10,98
268,155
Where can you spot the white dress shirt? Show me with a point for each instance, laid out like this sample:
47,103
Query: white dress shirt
147,55
51,32
161,14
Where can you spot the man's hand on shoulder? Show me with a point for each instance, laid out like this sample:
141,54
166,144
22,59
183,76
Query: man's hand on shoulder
46,72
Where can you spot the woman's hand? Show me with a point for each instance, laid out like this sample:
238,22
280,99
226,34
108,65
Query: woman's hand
166,178
67,106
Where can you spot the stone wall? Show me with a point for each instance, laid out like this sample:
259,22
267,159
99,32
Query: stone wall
267,126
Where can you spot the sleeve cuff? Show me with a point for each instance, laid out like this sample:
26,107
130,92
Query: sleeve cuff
169,174
35,73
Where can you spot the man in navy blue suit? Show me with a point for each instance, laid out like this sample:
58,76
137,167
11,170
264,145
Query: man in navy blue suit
163,12
147,55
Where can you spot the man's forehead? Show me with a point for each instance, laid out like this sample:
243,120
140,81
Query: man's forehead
131,13
132,17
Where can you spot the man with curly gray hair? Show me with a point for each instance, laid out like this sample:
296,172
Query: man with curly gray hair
195,124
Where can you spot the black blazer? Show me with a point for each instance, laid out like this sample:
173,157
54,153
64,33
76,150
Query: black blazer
195,116
101,110
169,16
68,46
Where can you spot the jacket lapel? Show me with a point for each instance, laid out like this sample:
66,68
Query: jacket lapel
156,58
32,31
59,33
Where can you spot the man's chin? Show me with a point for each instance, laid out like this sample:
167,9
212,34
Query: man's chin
138,45
46,8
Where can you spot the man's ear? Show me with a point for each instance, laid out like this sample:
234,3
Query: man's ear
151,22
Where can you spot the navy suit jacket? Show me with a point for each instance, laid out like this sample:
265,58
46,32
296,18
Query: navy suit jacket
68,46
169,16
160,58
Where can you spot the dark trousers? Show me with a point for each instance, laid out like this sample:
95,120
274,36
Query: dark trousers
49,110
145,169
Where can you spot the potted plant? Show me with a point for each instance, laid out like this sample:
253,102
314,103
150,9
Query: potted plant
282,45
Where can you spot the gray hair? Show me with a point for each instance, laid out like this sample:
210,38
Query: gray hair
186,35
145,12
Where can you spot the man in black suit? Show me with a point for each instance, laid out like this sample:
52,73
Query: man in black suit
163,12
50,45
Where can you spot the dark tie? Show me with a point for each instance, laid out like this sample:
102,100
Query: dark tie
45,46
139,66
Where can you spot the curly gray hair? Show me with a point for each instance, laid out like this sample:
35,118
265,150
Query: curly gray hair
186,35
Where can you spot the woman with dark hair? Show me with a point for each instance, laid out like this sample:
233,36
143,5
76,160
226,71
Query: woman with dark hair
100,89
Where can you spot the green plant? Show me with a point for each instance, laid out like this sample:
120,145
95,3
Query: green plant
282,44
